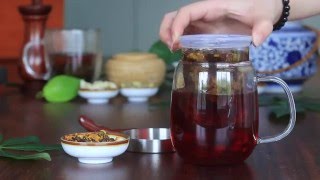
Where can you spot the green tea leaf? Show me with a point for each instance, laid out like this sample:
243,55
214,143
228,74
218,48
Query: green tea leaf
308,100
176,56
312,106
267,101
35,156
162,50
29,143
34,147
299,108
280,110
23,140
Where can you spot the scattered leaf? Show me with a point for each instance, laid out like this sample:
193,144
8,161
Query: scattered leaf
28,144
312,106
280,108
35,156
23,140
34,147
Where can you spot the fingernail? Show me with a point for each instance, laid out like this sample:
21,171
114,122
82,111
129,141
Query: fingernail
174,41
253,44
175,37
171,47
257,40
168,43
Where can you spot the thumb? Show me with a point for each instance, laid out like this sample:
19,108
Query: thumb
260,31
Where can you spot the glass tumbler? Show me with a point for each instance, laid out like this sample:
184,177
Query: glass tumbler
75,52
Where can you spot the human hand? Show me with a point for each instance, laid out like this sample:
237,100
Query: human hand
255,17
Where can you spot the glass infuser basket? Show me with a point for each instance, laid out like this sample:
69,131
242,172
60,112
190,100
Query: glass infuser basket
214,106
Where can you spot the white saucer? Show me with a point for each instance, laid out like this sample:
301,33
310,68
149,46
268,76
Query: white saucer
138,94
98,97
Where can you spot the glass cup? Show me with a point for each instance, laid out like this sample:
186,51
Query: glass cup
214,104
75,52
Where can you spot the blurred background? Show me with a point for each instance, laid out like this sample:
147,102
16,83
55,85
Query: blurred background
125,25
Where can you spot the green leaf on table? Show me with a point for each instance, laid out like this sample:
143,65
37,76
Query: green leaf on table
35,156
28,144
281,110
34,147
267,101
23,140
299,108
312,106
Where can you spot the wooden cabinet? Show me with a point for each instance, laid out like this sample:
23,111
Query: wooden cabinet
12,30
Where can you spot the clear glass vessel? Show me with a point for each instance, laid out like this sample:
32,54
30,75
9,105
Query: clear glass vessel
214,106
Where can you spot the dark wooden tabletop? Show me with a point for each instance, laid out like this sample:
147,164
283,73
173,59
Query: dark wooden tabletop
295,157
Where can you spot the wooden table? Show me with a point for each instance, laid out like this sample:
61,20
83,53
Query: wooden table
295,157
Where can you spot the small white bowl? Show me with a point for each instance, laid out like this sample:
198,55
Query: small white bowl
138,94
98,97
96,152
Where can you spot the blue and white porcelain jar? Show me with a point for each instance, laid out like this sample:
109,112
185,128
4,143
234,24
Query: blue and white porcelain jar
290,54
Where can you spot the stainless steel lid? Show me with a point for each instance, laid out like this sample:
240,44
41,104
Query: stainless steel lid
150,140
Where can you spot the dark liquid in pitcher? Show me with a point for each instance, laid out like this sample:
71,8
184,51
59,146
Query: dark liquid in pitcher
79,65
214,129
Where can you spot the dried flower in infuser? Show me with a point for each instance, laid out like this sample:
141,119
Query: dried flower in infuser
212,86
196,56
229,57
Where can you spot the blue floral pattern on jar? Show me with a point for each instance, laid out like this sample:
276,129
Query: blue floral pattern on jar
284,49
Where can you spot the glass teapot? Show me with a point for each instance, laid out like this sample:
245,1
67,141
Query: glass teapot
214,105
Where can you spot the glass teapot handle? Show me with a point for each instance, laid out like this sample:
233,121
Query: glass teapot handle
27,65
291,105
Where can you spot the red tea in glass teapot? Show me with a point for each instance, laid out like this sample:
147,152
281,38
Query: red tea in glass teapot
214,105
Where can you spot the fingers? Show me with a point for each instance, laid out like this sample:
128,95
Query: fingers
165,27
260,31
204,10
215,16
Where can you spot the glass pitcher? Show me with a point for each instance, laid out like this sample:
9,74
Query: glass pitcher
34,66
214,105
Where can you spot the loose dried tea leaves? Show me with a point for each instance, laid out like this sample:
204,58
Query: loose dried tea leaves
200,75
215,55
100,136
